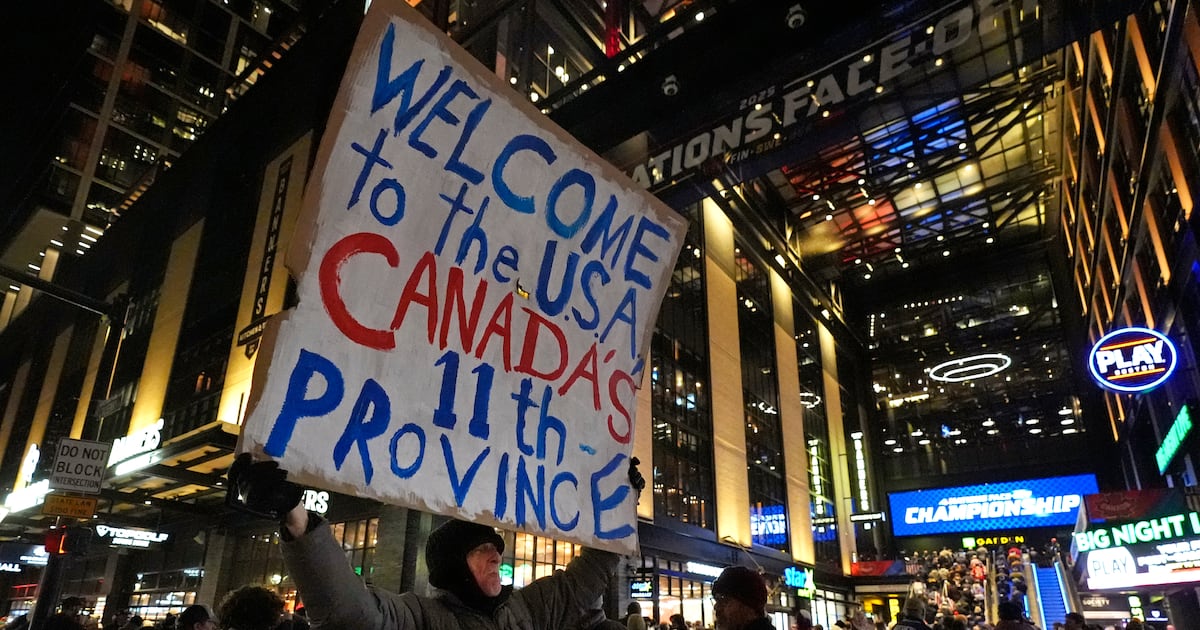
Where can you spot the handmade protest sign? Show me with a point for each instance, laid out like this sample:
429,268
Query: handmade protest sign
476,293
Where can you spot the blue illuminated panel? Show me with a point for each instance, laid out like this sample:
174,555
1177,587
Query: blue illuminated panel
1008,505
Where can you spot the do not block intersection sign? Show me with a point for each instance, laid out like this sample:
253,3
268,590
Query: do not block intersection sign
79,466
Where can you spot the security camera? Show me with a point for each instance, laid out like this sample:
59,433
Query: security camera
670,86
796,16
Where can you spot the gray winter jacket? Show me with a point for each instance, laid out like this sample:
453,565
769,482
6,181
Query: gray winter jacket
336,597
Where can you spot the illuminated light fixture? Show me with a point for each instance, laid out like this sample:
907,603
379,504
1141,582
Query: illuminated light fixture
923,442
33,267
80,252
941,237
584,87
41,254
866,276
699,16
779,259
1069,431
867,58
993,431
94,230
55,242
929,30
512,80
829,217
938,62
889,442
879,89
1065,411
870,202
945,252
559,71
825,114
1032,421
858,261
826,314
83,245
816,196
986,225
1035,431
911,165
1067,421
962,146
147,502
88,237
1132,359
14,287
809,400
621,68
898,450
861,181
857,435
533,96
990,240
970,368
777,135
549,49
904,265
917,433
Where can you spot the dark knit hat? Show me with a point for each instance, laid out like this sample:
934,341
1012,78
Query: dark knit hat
743,584
1010,611
447,548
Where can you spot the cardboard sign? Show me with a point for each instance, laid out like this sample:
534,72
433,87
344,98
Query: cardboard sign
477,292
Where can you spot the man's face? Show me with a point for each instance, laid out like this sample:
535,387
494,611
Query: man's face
484,563
731,614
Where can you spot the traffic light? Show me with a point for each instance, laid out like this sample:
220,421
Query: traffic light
64,540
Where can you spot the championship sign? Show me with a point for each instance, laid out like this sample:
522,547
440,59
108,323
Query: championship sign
1132,359
476,293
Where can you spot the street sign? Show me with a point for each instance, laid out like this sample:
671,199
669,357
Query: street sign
74,507
79,466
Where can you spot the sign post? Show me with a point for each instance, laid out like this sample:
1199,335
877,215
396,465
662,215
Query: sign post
476,296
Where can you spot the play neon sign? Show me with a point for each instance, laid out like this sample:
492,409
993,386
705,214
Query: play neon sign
1132,359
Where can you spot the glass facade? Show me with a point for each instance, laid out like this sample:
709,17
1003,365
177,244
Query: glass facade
760,391
527,557
823,509
679,386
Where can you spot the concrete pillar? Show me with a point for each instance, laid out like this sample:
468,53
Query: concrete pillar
725,361
791,419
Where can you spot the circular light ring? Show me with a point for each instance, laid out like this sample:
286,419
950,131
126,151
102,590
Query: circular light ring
970,368
809,400
1138,380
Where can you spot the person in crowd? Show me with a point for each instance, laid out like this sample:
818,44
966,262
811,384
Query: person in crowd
197,617
740,600
250,608
463,560
68,617
635,620
803,620
167,623
912,617
1012,617
677,622
134,623
118,620
1074,621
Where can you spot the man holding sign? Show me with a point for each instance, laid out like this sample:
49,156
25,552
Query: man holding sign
463,560
476,293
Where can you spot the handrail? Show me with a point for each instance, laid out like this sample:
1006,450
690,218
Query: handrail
1033,592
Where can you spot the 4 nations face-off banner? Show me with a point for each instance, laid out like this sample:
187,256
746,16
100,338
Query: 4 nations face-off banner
476,293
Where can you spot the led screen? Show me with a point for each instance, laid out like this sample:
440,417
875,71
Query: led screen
1049,502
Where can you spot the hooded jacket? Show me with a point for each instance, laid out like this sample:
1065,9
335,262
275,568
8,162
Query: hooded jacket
336,597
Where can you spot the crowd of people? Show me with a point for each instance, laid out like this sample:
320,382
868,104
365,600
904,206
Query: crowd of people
246,608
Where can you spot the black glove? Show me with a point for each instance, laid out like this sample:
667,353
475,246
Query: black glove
261,488
636,480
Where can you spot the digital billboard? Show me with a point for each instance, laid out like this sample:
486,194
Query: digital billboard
1048,502
1148,552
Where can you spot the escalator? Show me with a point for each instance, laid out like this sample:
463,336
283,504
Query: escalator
1051,601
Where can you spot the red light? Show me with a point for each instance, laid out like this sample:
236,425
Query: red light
56,540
